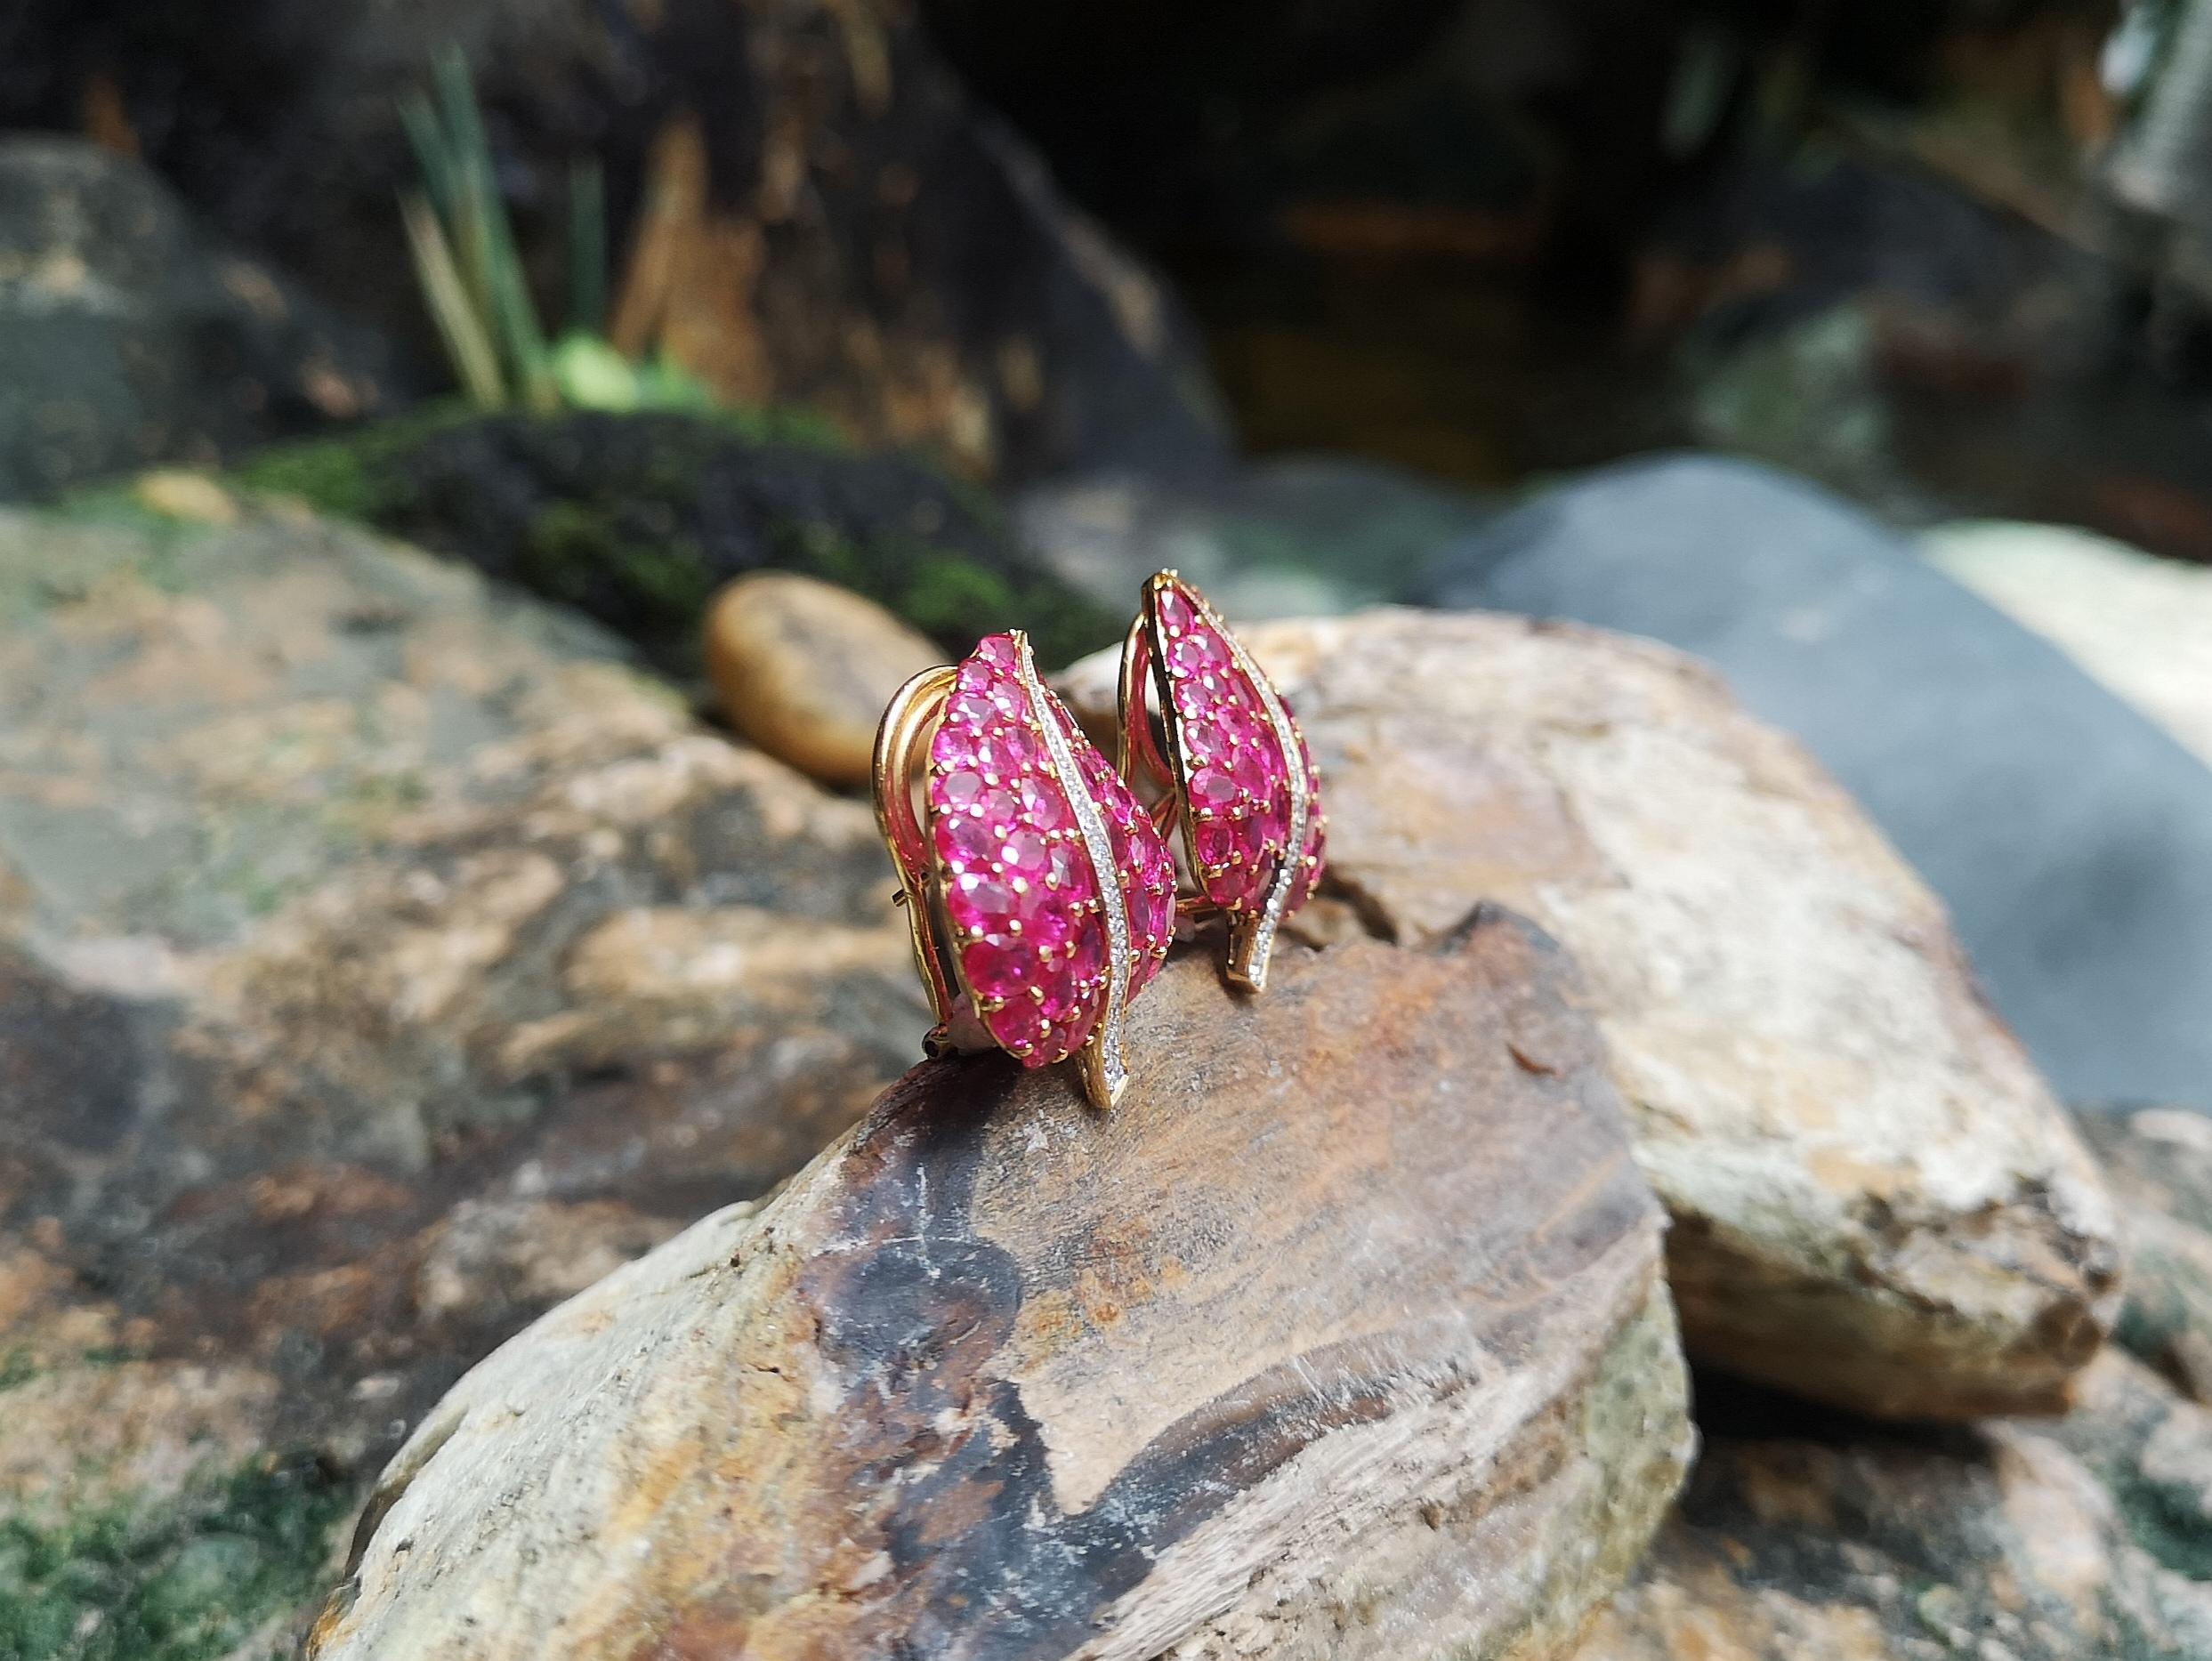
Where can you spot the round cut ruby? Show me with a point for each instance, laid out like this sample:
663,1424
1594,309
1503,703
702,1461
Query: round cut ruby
1000,808
1205,743
1060,991
970,709
1048,929
1086,959
1019,1030
999,756
1256,775
952,752
1197,653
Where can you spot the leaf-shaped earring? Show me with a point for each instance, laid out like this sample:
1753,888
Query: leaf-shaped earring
1236,772
1041,897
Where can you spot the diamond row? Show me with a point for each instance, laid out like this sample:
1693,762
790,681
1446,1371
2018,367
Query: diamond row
1093,828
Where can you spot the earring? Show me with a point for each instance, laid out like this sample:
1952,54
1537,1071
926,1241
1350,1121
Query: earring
1040,895
1237,771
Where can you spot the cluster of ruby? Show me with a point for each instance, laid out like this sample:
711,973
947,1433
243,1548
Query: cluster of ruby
1237,780
1018,881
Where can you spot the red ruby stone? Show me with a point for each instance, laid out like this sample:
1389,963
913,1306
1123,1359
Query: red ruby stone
1019,886
1237,779
1001,829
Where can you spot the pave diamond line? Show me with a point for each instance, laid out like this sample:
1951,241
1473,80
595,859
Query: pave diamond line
1101,849
1293,764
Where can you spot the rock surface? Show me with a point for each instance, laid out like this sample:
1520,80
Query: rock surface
380,961
2140,626
2070,839
1834,1541
1804,1538
128,336
1875,1199
1343,1336
806,207
804,669
2159,1163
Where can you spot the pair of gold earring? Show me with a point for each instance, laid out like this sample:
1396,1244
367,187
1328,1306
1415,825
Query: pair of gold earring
1041,892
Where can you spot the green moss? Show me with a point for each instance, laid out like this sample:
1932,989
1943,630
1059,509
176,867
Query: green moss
118,505
190,1578
943,591
354,474
781,427
636,519
574,549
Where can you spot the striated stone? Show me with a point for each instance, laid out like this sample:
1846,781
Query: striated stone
1875,1199
380,962
1806,1536
804,668
1342,1336
1829,1540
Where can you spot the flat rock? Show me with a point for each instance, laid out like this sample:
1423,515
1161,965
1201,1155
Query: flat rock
2071,838
1342,1336
1875,1200
382,960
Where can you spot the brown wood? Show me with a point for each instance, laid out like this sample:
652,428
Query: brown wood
1343,1336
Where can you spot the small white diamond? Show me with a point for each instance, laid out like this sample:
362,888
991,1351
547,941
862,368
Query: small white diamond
1095,843
1294,765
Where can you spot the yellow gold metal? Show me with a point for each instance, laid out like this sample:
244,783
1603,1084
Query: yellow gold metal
900,739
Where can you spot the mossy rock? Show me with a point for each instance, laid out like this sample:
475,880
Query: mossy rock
195,1575
638,519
